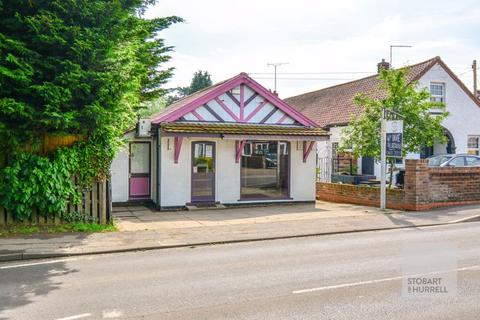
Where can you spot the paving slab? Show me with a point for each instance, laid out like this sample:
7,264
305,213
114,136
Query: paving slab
141,228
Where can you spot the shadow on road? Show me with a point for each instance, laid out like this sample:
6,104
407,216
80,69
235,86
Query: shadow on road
21,285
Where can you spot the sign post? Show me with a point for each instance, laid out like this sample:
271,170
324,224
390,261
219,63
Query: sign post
383,162
391,146
394,138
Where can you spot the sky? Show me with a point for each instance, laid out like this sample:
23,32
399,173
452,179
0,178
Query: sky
323,43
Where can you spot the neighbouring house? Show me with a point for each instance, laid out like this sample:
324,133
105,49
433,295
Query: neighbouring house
333,107
232,143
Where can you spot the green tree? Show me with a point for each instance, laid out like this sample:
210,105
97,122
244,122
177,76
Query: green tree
152,107
76,66
201,80
72,67
421,128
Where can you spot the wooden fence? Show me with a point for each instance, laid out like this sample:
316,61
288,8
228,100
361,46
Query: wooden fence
96,204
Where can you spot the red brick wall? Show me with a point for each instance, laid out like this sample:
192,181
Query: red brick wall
363,195
425,188
431,187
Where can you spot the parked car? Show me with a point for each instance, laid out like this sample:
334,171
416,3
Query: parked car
454,160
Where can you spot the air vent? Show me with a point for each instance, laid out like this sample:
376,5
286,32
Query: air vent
143,127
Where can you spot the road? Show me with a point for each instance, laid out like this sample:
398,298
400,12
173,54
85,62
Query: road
349,276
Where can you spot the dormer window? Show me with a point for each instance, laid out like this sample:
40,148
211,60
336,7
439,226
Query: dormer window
437,92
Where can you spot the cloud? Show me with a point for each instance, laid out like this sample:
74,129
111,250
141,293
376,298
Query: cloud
227,37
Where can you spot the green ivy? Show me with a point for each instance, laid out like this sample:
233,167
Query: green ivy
50,183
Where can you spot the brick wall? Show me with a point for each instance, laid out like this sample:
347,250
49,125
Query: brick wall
425,188
440,187
367,196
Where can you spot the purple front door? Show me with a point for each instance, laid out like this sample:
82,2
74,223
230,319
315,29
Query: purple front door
203,172
139,181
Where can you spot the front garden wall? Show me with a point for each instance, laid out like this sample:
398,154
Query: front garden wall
425,188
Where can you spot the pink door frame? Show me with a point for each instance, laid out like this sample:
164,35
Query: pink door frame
212,176
141,178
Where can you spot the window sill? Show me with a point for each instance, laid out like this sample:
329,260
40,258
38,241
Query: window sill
265,199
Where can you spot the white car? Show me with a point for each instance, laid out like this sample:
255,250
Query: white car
454,160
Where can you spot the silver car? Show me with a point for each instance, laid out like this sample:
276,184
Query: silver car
454,160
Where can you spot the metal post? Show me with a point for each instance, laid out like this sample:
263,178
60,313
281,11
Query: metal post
391,52
474,67
275,65
275,77
391,66
383,164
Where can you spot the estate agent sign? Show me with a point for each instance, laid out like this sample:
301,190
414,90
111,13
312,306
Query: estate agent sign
394,138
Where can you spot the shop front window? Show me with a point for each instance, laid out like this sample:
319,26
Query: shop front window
265,170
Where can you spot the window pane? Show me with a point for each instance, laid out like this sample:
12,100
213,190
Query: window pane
139,161
457,162
473,142
473,161
264,173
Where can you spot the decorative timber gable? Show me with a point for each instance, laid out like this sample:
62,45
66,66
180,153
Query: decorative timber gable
237,100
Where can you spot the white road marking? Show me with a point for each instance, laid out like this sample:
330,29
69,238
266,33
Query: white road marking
111,314
361,283
78,316
36,263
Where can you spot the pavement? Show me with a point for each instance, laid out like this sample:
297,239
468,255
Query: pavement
346,276
143,229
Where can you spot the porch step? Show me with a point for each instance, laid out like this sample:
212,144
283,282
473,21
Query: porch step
205,206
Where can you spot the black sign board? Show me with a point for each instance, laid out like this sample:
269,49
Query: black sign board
394,145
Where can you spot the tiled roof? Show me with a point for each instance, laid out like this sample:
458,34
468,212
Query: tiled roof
240,129
335,106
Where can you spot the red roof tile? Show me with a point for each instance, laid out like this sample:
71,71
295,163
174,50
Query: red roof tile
335,106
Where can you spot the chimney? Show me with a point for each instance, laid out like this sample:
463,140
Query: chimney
383,65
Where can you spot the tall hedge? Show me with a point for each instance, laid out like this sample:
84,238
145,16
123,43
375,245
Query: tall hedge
73,67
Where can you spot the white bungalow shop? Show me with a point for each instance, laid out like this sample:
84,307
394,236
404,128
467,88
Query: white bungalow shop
232,143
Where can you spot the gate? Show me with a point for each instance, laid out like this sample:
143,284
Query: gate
324,164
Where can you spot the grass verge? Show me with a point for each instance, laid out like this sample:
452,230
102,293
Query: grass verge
61,228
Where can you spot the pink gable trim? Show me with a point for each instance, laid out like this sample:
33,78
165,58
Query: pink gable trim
307,150
177,141
282,105
239,149
227,109
242,78
255,111
242,102
199,117
285,116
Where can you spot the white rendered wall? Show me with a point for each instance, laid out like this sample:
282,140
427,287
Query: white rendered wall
324,147
464,116
119,176
302,175
119,169
176,177
228,173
